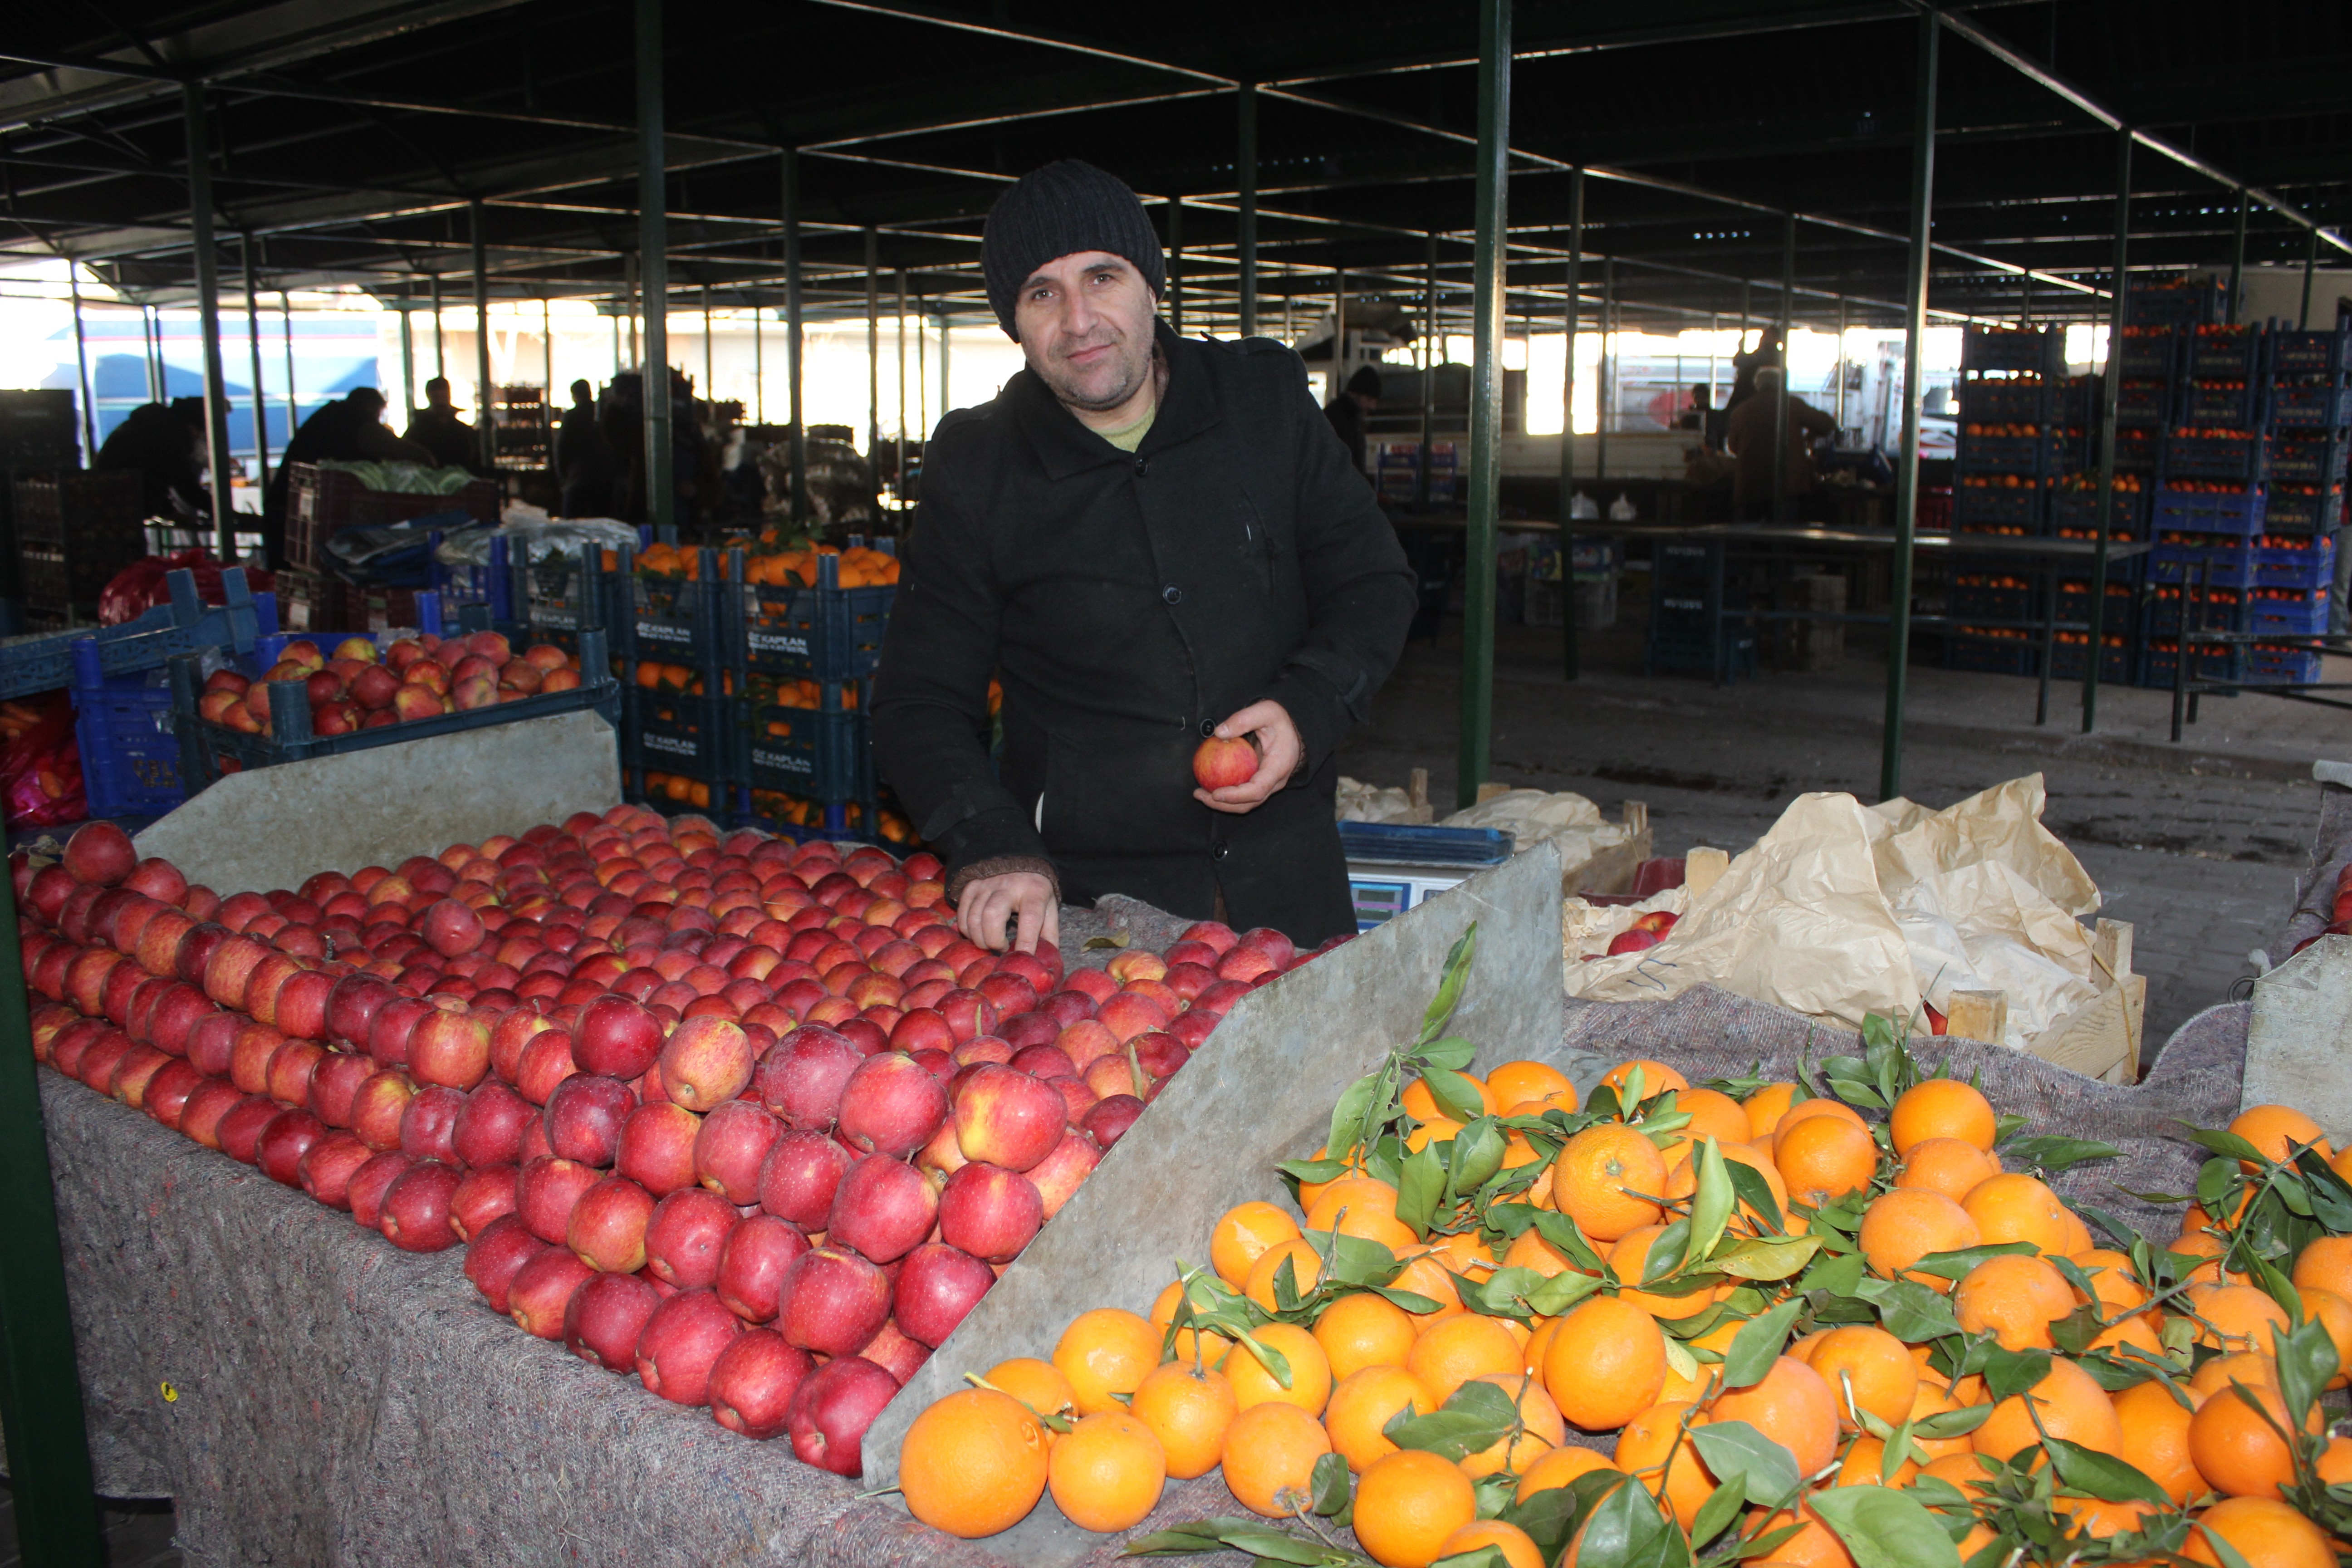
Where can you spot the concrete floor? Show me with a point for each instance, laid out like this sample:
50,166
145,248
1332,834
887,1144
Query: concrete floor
134,1535
2199,844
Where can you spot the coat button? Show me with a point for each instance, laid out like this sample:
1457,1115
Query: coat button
1172,596
1142,466
1221,851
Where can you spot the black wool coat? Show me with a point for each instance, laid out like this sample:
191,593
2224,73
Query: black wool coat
1129,603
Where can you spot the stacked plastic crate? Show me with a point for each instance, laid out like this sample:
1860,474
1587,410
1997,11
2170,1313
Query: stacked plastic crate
809,655
2010,457
2309,402
1686,631
682,725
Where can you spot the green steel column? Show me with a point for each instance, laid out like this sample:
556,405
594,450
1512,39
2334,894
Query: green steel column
1780,508
874,363
40,1386
286,320
547,363
799,441
486,416
1486,397
200,225
2310,261
1914,332
407,361
1567,427
81,366
1605,390
1433,344
1245,179
2114,390
653,265
898,339
2237,258
709,362
253,347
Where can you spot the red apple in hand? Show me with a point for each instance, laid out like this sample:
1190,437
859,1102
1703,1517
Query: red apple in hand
1222,763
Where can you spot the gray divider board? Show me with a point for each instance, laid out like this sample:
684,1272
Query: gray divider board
1261,1090
271,828
2299,1040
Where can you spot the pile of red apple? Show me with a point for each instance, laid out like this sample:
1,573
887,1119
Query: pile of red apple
414,678
748,1119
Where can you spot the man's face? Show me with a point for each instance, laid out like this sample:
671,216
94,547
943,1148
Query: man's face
1085,322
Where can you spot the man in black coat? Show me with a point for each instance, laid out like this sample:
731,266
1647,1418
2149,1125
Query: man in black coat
582,460
163,443
1147,540
350,429
437,427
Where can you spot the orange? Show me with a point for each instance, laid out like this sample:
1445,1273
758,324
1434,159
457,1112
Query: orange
2277,1130
1353,1194
2019,1207
2014,1298
1188,1411
1864,1465
2244,1366
1513,1083
2099,1519
1363,1404
1463,1253
1309,1190
1791,1405
1242,1234
1629,1258
1557,1468
2112,1283
1713,1114
1039,1385
1656,1077
1655,1449
2070,1403
2131,1334
1422,1105
2198,1244
1530,1250
1106,1472
1544,1428
1605,1179
2264,1533
1965,1471
1440,1131
1519,1549
1406,1506
1947,1165
2333,1311
1682,1182
1310,1370
1538,1344
1104,1352
1450,1353
1606,1363
1764,1108
2236,1449
1904,1224
1424,1275
973,1464
1305,1267
1941,1107
1364,1330
1269,1458
1805,1110
1934,1399
2236,1317
2156,1438
2334,1466
1867,1368
1813,1546
1365,1222
1211,1347
2326,1262
1823,1158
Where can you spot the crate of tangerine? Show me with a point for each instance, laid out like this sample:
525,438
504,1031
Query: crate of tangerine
818,616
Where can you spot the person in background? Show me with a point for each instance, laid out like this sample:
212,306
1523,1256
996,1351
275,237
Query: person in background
1747,362
1347,412
1748,438
437,427
163,443
584,459
349,430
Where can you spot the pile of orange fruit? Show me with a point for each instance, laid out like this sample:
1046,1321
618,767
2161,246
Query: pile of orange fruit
669,561
679,788
2009,430
2002,481
1737,1321
859,567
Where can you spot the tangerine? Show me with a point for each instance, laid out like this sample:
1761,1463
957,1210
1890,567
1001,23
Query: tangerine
2156,1438
1823,1158
2069,1403
1269,1458
2015,1299
1362,1330
2267,1533
1407,1503
1557,1468
1310,1370
1764,1108
1904,1225
2019,1207
1713,1114
1108,1471
2234,1316
1606,1179
1039,1385
1363,1404
2234,1442
2326,1262
2277,1131
1422,1105
1793,1405
1104,1352
1868,1369
1519,1549
1941,1107
1244,1233
1188,1411
1211,1346
1516,1083
1543,1430
1306,1268
1951,1166
1606,1363
1450,1353
1655,1449
1656,1077
973,1464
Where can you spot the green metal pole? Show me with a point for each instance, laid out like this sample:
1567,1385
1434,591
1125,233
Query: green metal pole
2310,261
1245,173
216,407
653,265
792,333
2108,416
41,1386
1780,508
486,420
1433,347
2238,258
1569,661
1486,397
253,349
1914,332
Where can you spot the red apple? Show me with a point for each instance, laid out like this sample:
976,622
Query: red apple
607,1227
1108,1122
891,1105
937,1286
328,1166
656,1148
801,1077
731,1149
883,1208
683,1238
428,1126
489,1130
450,927
829,1415
1058,1175
541,1291
168,1091
1224,763
546,1192
240,1130
286,1137
706,1062
895,1352
100,854
547,1062
832,1301
800,1177
752,1262
616,1038
484,1196
584,1116
1007,1117
989,1212
681,1342
494,1258
603,1320
208,1104
415,1214
754,1381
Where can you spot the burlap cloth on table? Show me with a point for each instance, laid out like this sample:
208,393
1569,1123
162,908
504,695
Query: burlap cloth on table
335,1401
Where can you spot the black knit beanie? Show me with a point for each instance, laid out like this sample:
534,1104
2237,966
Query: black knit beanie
1060,210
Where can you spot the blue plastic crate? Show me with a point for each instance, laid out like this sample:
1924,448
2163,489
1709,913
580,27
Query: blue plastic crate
2024,401
2148,404
2115,665
1999,506
2218,609
1988,655
2302,510
2136,451
2321,407
46,663
2210,511
2151,353
2076,511
2307,458
130,746
2232,405
2159,659
1975,599
2302,616
2036,352
2235,457
821,633
2228,562
2268,665
2033,454
2182,302
2231,355
2309,568
689,621
2316,355
822,753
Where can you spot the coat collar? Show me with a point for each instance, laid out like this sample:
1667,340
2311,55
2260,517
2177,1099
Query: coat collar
1067,447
